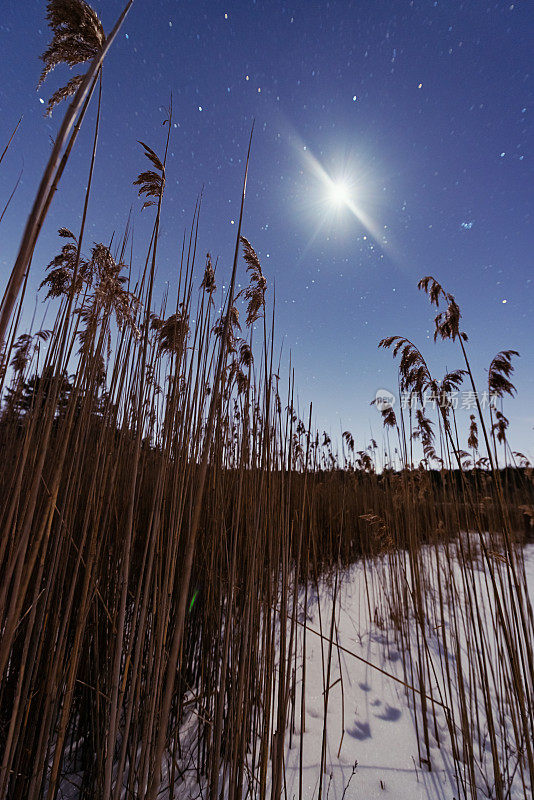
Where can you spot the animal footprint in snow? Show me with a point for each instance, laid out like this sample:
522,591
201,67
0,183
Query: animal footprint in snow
379,638
364,687
376,702
390,714
360,730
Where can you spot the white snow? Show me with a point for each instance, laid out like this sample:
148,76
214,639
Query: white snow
370,717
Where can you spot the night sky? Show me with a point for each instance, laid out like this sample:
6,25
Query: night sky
424,109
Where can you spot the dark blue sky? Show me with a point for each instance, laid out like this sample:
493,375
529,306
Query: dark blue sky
425,108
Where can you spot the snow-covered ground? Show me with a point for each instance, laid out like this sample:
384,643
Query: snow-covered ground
369,721
371,741
375,744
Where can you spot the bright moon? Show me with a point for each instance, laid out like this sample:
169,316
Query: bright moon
339,193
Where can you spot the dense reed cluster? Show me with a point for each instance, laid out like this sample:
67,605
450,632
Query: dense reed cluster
165,513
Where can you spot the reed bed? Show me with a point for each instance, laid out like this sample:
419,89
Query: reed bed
165,511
